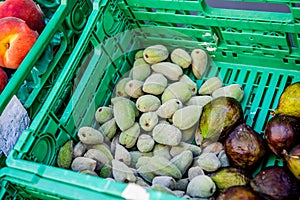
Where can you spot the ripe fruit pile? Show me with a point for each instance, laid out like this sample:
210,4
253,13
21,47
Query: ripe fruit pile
165,133
21,22
282,131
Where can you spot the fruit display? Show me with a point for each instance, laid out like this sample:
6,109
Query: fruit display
21,22
166,132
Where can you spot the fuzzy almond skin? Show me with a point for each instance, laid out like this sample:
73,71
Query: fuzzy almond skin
26,10
16,39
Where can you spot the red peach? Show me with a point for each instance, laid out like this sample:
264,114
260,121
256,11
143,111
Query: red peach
16,39
3,79
26,10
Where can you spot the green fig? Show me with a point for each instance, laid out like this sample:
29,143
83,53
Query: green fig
293,160
219,117
229,176
64,158
289,102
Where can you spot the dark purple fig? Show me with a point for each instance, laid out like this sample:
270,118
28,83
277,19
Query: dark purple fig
276,183
219,117
238,193
244,147
282,132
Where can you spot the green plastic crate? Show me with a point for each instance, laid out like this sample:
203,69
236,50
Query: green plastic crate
18,184
258,50
36,75
31,82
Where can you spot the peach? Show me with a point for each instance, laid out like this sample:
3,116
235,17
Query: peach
3,79
26,10
16,39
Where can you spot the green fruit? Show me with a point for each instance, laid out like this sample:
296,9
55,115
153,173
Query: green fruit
162,188
109,128
155,84
139,54
120,87
162,150
188,135
166,134
122,173
105,149
122,154
156,53
192,85
194,172
139,62
199,100
161,166
145,143
89,135
233,90
124,113
148,121
289,102
83,163
182,146
166,181
209,162
103,114
141,70
187,117
182,184
129,137
183,161
177,90
146,172
99,156
89,172
167,109
135,155
79,149
210,85
143,160
64,158
134,88
201,186
219,117
170,70
148,103
106,171
181,58
199,62
227,177
293,160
